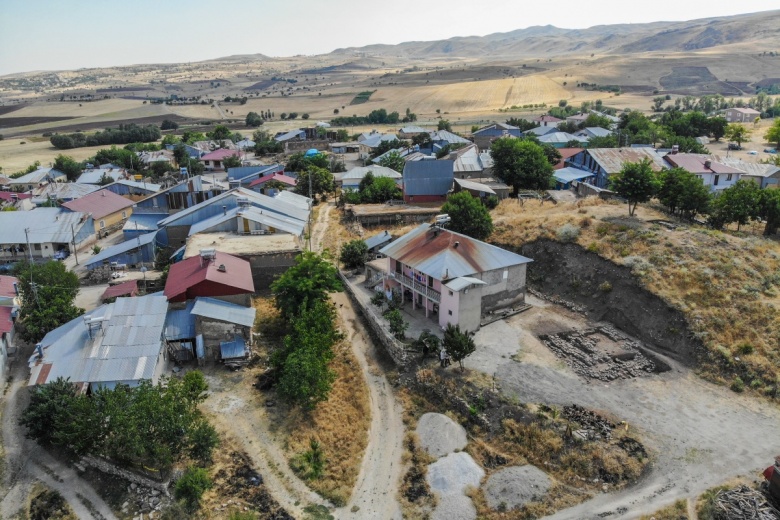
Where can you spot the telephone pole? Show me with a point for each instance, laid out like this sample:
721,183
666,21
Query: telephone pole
310,208
75,251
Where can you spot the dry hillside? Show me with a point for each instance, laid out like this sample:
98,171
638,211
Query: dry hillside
725,284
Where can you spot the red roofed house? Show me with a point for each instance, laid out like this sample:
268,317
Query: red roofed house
566,153
214,160
259,185
109,210
547,120
212,273
8,303
113,292
714,175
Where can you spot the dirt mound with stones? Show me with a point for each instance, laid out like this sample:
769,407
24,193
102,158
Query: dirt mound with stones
440,435
513,487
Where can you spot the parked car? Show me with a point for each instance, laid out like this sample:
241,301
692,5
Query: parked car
61,254
752,152
734,146
770,150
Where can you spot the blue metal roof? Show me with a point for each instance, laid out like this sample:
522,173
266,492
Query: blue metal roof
566,175
124,247
428,177
378,240
233,349
143,222
224,311
180,324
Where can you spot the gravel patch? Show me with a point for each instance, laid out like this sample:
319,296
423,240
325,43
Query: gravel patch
451,475
454,507
440,435
515,486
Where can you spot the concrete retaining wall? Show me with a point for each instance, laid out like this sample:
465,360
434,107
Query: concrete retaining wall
377,326
110,468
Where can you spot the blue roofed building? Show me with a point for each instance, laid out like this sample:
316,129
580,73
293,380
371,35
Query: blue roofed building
427,181
134,253
487,134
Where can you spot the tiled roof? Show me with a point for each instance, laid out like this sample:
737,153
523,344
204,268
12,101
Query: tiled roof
100,204
6,321
698,163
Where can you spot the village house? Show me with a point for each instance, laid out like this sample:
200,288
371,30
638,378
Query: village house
562,139
376,242
410,131
214,160
120,342
540,131
134,190
98,175
180,196
715,175
741,115
213,274
350,180
485,136
37,178
449,276
273,181
577,119
60,192
46,230
603,162
546,120
109,211
595,131
427,181
135,253
9,307
245,175
367,146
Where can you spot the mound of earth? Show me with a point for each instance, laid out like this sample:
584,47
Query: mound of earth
515,486
440,435
451,475
455,507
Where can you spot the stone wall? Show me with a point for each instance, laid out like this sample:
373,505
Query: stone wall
214,332
108,467
301,146
377,326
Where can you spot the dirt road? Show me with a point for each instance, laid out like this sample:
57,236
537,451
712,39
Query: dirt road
377,485
25,461
702,434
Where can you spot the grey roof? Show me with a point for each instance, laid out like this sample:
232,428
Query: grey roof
37,176
378,239
445,255
463,282
496,126
612,160
428,177
93,176
269,219
120,248
62,191
297,200
357,173
475,186
224,311
449,137
233,349
148,186
143,222
289,135
568,174
245,143
750,169
46,225
124,347
373,140
413,129
560,137
467,159
540,130
180,323
593,131
242,172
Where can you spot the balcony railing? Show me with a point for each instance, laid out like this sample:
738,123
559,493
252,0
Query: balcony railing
417,286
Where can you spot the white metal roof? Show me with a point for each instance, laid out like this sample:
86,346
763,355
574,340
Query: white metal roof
458,284
46,225
224,311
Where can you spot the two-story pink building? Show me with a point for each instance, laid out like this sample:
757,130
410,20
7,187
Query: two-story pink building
452,276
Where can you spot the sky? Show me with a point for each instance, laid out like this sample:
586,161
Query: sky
72,34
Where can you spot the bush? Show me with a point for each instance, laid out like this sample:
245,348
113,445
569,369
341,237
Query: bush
167,124
397,324
568,233
191,486
738,385
354,254
491,202
605,287
311,463
203,440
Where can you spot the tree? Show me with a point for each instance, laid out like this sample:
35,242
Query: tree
468,215
683,191
423,140
309,280
322,182
397,324
636,182
769,210
717,127
738,203
254,119
458,344
305,116
47,292
737,133
386,146
68,166
597,121
607,141
232,161
394,161
772,135
220,133
191,486
46,412
444,125
521,164
377,190
167,124
522,124
354,254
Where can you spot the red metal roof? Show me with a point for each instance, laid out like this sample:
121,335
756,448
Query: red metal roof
547,119
6,323
7,286
218,155
274,177
100,203
197,276
6,195
123,289
698,163
566,153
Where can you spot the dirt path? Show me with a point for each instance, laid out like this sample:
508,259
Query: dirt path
25,461
320,227
702,434
237,409
219,109
376,489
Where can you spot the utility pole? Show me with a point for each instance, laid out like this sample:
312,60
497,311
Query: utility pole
310,207
75,251
32,284
27,237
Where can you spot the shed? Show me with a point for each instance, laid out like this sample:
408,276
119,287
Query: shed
476,189
427,181
212,273
128,289
219,321
139,250
565,176
376,242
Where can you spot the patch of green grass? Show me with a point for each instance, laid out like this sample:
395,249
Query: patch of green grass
362,97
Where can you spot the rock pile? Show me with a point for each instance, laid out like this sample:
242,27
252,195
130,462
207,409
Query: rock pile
145,501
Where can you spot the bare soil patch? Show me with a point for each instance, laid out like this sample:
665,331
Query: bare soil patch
12,122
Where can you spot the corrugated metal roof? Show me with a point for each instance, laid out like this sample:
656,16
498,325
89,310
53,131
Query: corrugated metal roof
560,137
373,140
124,347
378,239
100,204
94,176
127,245
147,186
46,225
274,220
186,278
37,176
143,222
180,323
495,126
297,200
224,311
612,159
475,186
242,172
546,118
594,131
751,169
62,191
357,173
290,135
121,289
428,177
435,253
448,137
566,175
233,349
458,284
467,159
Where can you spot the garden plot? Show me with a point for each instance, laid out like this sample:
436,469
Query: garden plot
603,353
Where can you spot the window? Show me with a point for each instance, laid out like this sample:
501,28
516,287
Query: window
450,293
102,224
715,182
728,177
124,214
450,312
430,281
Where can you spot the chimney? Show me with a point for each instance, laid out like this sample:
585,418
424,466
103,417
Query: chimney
708,164
224,210
16,288
675,149
222,268
456,244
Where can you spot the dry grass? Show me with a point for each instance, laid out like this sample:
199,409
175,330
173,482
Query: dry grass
15,156
339,424
45,503
726,283
676,511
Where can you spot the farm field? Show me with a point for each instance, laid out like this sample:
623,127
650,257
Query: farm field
15,156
